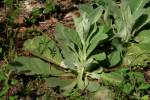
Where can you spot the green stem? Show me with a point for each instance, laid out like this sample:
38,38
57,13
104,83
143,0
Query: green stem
81,84
81,68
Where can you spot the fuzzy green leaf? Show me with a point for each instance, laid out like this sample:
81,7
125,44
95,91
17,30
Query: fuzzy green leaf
93,86
30,66
95,15
99,37
136,5
67,35
144,45
82,26
135,56
115,58
114,78
85,8
99,56
61,82
43,47
68,64
143,36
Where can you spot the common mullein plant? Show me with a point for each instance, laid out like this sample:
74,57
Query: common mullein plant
74,49
129,16
78,46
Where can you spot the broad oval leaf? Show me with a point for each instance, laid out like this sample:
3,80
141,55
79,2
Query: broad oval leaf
135,56
93,86
63,83
30,66
143,36
68,64
145,46
114,78
95,15
67,35
43,47
115,58
136,5
100,36
86,8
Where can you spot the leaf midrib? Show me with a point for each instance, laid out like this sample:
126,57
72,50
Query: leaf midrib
139,5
